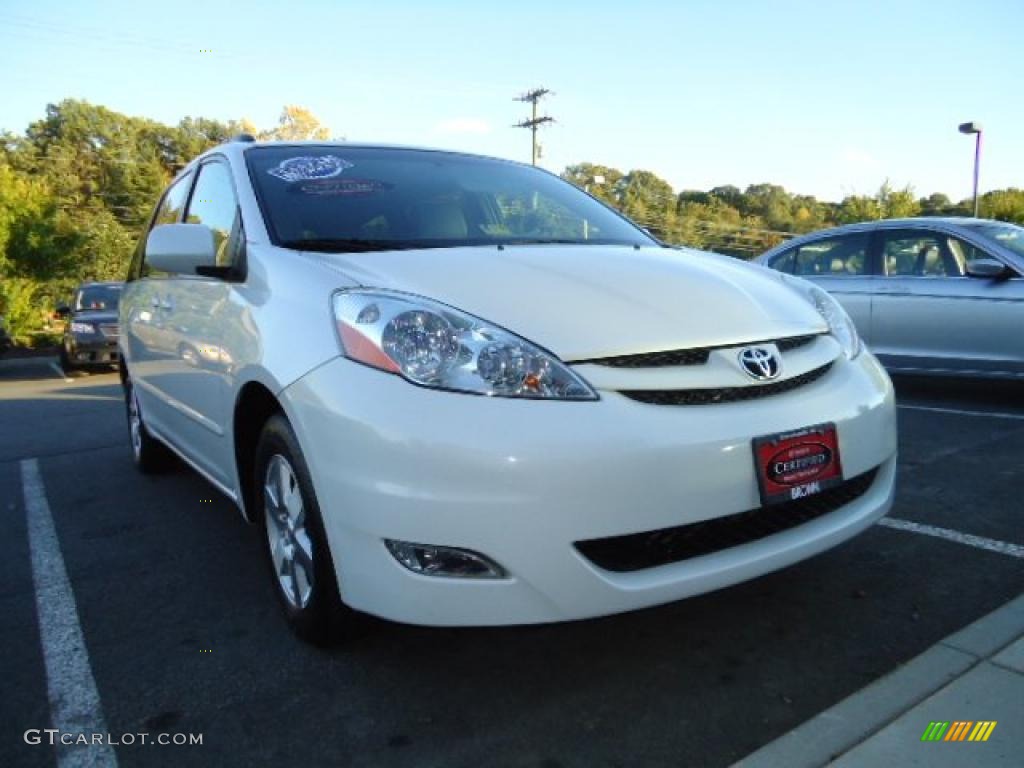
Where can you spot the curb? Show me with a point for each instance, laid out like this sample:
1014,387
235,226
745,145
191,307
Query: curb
856,718
17,363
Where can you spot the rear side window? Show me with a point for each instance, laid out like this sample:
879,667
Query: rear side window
837,257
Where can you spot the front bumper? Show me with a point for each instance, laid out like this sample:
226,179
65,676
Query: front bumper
92,350
521,481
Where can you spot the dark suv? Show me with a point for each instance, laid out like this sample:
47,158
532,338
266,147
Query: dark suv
90,337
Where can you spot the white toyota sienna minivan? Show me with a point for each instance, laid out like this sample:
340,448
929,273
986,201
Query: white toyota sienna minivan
457,390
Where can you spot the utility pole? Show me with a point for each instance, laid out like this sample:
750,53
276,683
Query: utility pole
534,122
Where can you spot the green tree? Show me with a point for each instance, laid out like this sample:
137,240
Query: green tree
897,203
856,208
599,180
1003,204
648,200
936,204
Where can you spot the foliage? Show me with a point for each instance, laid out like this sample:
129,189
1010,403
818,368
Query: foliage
747,222
77,187
1003,204
18,306
296,124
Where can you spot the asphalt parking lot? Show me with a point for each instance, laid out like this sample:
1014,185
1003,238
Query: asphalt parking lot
183,635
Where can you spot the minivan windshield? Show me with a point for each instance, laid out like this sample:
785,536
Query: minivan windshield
98,297
358,199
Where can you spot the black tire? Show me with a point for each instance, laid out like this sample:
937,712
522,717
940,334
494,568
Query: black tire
148,454
318,615
65,361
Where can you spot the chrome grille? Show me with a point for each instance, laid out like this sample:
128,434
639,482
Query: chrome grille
724,394
795,342
694,356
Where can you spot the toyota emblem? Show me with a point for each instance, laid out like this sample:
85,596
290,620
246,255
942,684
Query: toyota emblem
760,363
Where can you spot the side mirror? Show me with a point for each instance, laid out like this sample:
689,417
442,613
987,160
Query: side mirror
62,310
990,269
181,249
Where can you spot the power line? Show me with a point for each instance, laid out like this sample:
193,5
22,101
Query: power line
534,122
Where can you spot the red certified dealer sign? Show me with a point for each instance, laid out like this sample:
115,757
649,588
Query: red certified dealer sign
794,465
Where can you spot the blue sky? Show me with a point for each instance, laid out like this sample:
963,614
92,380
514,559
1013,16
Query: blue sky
825,97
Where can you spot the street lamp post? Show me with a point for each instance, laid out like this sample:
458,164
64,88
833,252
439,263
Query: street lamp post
968,129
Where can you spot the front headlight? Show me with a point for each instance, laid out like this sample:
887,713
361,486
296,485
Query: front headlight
83,328
434,345
839,323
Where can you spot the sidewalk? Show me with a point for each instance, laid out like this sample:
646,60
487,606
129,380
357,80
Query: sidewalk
976,674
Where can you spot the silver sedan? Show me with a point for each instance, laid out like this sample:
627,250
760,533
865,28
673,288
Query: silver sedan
928,295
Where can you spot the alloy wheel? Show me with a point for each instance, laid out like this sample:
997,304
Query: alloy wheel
291,549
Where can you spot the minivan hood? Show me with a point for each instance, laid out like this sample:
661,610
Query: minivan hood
589,302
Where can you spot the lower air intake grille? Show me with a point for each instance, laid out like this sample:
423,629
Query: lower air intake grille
637,551
723,394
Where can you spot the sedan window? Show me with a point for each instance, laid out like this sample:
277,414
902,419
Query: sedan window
965,253
838,256
918,254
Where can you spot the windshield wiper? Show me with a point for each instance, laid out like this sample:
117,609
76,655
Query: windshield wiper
348,244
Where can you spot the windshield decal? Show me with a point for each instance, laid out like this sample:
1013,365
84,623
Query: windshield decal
309,167
344,187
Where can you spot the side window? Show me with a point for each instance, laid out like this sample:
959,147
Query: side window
784,261
213,203
964,253
169,211
843,256
917,254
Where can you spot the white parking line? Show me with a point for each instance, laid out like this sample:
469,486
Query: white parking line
60,372
980,542
74,701
960,412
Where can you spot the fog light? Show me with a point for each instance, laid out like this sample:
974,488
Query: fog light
431,560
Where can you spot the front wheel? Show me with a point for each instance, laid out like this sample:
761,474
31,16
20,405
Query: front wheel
295,543
65,359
